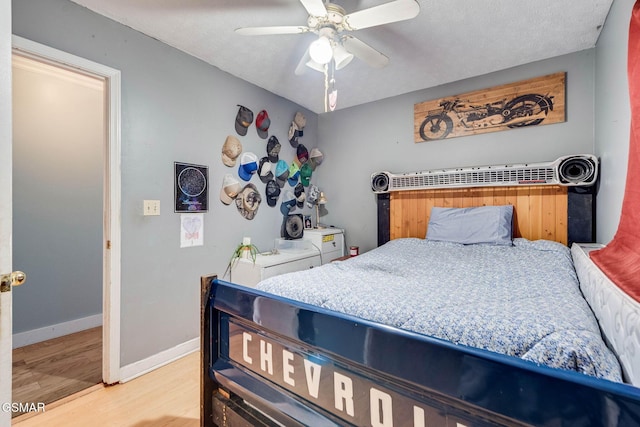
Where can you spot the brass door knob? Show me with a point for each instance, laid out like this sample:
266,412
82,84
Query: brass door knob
16,278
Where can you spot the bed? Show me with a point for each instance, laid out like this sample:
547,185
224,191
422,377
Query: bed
305,349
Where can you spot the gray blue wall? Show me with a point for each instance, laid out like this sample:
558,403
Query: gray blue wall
58,141
379,136
612,115
174,108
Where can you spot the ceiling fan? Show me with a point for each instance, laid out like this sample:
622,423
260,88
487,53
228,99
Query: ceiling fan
332,25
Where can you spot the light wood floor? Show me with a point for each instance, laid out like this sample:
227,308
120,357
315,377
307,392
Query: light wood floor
166,397
56,368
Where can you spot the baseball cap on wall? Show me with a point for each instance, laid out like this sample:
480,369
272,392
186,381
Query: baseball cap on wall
273,149
262,124
264,170
315,158
288,203
248,201
302,154
231,149
273,192
230,189
305,174
248,165
300,195
244,118
296,128
294,173
314,193
300,120
282,173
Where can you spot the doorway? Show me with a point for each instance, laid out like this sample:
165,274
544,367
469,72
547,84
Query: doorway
59,132
86,202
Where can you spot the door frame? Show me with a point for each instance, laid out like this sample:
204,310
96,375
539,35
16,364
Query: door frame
111,249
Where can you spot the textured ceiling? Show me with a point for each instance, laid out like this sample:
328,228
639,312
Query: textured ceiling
449,40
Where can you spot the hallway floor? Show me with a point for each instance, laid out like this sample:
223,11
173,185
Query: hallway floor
51,370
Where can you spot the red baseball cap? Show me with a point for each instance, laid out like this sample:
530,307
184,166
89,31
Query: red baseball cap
262,124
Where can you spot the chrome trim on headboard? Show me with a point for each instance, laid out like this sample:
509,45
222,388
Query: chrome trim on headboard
574,170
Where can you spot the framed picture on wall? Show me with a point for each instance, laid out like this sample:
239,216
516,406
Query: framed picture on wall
191,186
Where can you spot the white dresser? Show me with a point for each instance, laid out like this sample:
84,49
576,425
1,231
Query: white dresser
246,272
330,242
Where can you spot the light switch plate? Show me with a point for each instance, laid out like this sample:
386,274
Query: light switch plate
151,207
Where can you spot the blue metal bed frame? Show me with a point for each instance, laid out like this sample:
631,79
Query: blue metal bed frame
304,365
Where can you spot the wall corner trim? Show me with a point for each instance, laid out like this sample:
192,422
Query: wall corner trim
144,366
55,331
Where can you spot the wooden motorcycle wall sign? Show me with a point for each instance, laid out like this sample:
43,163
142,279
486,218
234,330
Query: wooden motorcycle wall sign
526,103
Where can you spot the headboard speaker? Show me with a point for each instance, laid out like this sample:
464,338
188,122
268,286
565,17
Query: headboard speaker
380,182
575,170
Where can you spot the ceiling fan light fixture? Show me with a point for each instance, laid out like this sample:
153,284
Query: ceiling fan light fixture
341,56
314,65
320,50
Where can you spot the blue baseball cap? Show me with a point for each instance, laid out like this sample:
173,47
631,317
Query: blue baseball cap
294,173
288,203
282,173
248,165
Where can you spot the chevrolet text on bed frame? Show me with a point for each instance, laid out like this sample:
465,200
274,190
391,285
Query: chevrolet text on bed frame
253,374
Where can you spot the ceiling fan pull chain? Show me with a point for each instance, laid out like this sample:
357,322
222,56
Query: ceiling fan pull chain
326,87
333,95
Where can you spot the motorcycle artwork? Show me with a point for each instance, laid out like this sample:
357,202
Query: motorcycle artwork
525,110
526,103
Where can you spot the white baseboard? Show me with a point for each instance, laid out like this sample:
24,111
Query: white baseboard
54,331
134,370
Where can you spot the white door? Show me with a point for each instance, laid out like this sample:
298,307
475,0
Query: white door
111,355
5,300
5,207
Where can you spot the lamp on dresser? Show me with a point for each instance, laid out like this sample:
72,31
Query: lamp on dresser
322,200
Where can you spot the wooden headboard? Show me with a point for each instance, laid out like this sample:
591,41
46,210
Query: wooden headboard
551,212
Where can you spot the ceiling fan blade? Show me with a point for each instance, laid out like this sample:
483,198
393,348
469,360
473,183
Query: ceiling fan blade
398,10
265,31
314,7
365,52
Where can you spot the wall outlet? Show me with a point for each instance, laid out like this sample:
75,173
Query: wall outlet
151,207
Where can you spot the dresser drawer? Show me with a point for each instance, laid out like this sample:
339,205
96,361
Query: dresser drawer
330,242
247,273
301,264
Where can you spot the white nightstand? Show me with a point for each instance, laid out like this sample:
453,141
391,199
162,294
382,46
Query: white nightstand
246,272
330,242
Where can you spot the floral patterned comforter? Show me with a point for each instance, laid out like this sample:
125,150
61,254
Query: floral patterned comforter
522,300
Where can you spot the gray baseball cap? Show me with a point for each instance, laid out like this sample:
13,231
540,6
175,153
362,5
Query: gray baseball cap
244,118
273,149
